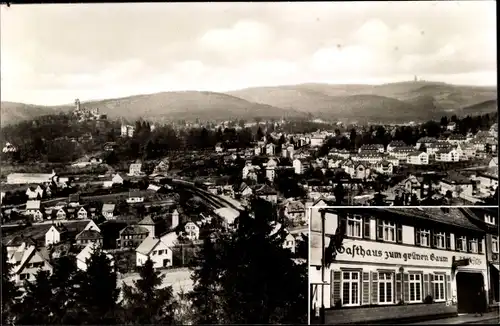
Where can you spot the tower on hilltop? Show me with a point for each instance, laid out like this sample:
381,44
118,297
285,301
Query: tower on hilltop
77,105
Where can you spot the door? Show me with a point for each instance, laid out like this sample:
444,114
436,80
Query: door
166,262
468,284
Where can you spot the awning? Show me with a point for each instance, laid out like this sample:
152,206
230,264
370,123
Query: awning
497,266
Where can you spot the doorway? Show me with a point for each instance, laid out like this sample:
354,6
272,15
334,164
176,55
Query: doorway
468,284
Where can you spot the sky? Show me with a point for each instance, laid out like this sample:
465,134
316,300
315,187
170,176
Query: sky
54,53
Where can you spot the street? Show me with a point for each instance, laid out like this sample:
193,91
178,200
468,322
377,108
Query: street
179,279
488,318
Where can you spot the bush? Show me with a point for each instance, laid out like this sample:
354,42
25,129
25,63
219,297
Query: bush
429,299
401,303
338,304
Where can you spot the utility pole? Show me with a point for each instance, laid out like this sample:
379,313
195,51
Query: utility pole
322,309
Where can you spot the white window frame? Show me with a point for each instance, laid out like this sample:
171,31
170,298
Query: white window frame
463,240
352,222
440,240
388,226
415,281
473,245
439,284
494,244
350,283
427,234
386,283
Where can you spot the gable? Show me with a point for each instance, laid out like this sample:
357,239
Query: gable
162,246
92,226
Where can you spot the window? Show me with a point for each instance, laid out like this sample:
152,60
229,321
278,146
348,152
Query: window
473,245
489,219
24,276
350,288
385,287
439,287
415,287
160,252
424,236
389,231
439,240
494,244
354,226
462,243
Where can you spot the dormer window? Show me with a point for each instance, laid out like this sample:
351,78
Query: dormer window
489,219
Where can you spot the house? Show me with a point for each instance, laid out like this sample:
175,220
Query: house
267,193
317,140
135,169
61,214
300,165
458,185
384,167
154,224
371,148
447,155
493,162
9,148
34,193
192,231
32,207
401,153
84,255
219,148
38,216
27,261
413,247
417,158
110,146
131,236
248,169
157,250
296,211
74,200
87,236
108,211
289,242
395,144
244,190
270,173
82,213
135,197
57,233
117,179
174,218
451,126
456,139
95,160
270,149
371,157
488,181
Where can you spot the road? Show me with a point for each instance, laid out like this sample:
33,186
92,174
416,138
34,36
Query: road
179,279
489,318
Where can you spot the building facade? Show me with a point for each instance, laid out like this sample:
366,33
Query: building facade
397,260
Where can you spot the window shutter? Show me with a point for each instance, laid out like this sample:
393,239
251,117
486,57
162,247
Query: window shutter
374,288
431,285
448,241
448,287
469,245
480,245
406,287
366,288
343,222
417,236
433,239
380,230
398,288
366,227
337,279
399,233
425,286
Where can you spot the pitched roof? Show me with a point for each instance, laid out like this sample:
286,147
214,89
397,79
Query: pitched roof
89,234
453,216
108,207
148,245
265,190
134,229
150,220
19,240
296,206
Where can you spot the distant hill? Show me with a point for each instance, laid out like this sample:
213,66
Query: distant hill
393,102
166,105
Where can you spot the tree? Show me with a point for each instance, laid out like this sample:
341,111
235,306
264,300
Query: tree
35,308
207,310
98,292
64,286
260,134
339,193
259,286
9,289
146,303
